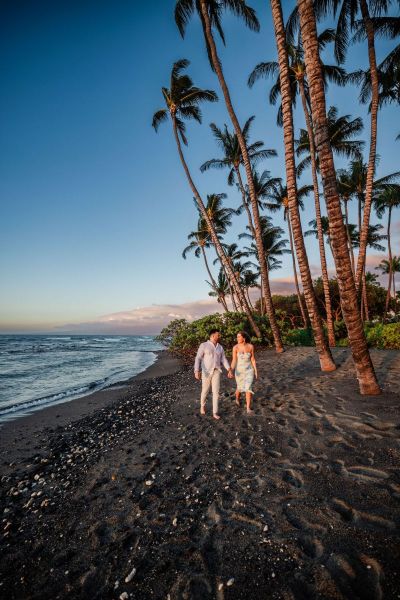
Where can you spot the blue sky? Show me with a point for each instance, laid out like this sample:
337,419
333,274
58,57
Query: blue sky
95,208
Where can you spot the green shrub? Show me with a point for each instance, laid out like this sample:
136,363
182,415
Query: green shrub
183,338
298,337
384,336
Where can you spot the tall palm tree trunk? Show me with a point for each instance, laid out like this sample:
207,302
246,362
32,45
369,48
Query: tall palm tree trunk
244,201
248,298
221,297
351,250
324,268
362,360
365,296
217,243
390,263
208,268
246,161
324,353
296,280
372,147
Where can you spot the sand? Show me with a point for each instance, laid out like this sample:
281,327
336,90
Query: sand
132,494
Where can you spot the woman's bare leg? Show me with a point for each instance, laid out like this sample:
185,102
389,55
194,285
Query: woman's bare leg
248,402
237,394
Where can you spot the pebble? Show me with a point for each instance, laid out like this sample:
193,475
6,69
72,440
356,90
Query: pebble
175,522
230,582
124,596
149,482
131,575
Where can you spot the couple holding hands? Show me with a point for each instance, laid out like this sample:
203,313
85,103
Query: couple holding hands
208,365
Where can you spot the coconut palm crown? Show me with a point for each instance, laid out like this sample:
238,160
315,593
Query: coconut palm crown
182,99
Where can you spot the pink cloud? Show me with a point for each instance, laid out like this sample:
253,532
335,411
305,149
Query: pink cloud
144,320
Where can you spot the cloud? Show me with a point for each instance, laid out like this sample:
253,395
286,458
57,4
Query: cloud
151,319
144,320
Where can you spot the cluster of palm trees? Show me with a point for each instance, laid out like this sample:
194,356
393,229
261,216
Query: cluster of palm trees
298,73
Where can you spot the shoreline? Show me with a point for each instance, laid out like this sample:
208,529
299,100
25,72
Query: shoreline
64,413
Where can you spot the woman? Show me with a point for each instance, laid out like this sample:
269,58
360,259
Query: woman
244,364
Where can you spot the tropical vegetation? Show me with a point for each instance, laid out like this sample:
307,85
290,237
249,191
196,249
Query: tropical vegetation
347,304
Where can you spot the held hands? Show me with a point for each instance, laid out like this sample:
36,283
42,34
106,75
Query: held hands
230,374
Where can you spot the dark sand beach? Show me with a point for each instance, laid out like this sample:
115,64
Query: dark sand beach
130,493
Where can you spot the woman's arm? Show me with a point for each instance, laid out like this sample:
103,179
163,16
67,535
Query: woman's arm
234,358
253,361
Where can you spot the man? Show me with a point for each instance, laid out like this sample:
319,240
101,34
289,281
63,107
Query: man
208,366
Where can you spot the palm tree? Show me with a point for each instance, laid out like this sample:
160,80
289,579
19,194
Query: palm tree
297,72
392,267
373,241
210,12
278,200
299,85
234,256
249,279
273,245
352,184
200,241
182,102
387,200
233,158
221,219
348,293
344,188
324,353
341,131
220,289
348,11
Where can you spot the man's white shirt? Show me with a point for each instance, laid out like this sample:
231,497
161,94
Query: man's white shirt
210,357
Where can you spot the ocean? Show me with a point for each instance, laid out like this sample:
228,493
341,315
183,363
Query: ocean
37,371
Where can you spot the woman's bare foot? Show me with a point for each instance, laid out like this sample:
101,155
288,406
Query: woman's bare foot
250,411
217,417
237,402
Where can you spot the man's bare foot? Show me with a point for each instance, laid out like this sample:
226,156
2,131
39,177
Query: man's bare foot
217,417
202,411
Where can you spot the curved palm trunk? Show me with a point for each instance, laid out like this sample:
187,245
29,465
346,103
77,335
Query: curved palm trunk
246,161
244,201
358,344
346,214
372,147
365,297
221,297
217,243
390,264
324,268
208,268
324,353
248,298
296,280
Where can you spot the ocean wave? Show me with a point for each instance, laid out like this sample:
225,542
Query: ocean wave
53,398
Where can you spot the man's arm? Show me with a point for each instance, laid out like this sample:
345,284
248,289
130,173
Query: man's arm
225,361
199,356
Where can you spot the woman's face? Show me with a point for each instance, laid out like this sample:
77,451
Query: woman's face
240,338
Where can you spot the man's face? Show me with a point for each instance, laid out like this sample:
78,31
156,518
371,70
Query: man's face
215,337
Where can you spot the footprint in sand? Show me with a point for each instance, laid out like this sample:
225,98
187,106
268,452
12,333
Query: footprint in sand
311,546
348,513
356,577
293,477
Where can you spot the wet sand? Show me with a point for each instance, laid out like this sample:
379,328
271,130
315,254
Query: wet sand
138,496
